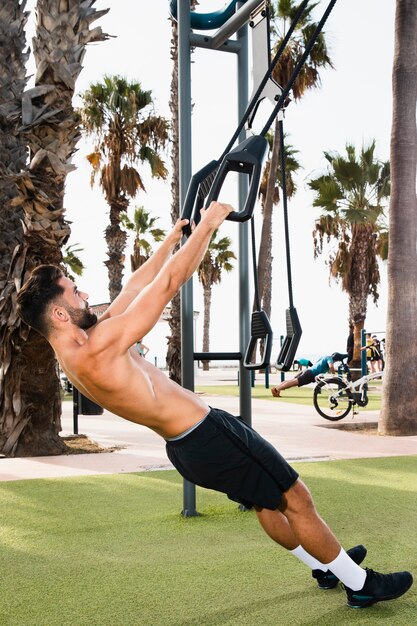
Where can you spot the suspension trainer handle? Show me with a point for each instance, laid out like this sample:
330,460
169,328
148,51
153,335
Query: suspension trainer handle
198,188
260,329
246,158
288,350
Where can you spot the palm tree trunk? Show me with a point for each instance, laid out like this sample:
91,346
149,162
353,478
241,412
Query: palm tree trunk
356,284
174,341
116,244
13,153
206,324
30,405
399,400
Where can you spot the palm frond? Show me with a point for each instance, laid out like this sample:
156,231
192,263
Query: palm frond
72,261
351,195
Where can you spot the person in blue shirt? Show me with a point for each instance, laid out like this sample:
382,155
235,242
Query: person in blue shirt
324,365
302,363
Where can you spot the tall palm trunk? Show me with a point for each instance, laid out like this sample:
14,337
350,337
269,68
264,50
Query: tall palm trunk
30,395
116,244
174,341
399,400
206,323
356,283
12,159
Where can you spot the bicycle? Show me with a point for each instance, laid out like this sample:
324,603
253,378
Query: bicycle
335,396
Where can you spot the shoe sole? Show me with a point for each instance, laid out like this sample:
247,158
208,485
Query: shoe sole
375,600
332,586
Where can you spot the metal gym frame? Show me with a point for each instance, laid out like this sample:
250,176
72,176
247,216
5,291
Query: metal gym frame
234,24
219,42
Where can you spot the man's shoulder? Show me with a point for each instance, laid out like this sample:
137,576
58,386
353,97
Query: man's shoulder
101,335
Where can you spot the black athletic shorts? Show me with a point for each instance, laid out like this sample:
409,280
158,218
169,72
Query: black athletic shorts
306,378
225,454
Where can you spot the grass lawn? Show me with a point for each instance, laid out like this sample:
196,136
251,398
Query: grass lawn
295,395
114,551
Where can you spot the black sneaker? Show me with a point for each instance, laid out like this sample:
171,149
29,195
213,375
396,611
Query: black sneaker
327,580
379,587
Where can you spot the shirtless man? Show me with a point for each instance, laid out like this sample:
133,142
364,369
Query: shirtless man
208,446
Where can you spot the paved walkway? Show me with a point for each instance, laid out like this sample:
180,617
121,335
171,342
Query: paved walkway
296,431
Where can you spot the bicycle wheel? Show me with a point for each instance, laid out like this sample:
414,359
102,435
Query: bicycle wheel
331,400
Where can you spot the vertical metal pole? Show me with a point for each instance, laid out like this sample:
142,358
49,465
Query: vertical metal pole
245,403
75,409
364,369
281,341
245,392
184,105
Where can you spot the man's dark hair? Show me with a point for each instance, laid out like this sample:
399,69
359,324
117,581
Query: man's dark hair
36,294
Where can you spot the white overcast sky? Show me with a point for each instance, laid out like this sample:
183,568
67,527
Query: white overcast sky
352,105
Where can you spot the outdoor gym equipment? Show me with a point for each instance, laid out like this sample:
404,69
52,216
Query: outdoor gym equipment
260,325
207,21
247,158
289,347
202,181
195,189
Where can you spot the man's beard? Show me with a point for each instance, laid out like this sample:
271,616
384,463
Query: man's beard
83,318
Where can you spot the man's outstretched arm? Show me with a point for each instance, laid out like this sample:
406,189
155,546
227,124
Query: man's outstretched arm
146,272
123,330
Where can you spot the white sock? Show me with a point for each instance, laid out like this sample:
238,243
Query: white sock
306,558
351,575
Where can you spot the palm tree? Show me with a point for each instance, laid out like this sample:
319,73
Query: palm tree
13,157
399,411
40,136
283,14
143,225
119,116
351,195
216,259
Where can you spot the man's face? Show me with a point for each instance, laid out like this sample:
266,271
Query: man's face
75,303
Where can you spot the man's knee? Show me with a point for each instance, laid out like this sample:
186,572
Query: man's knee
297,499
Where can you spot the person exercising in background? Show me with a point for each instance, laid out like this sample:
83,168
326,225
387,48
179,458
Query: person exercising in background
300,363
208,446
323,365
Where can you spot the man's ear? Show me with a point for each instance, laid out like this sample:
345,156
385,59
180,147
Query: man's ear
59,314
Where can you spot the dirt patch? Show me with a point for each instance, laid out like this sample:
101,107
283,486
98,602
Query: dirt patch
362,428
81,444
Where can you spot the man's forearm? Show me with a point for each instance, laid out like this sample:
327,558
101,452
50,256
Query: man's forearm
147,272
185,262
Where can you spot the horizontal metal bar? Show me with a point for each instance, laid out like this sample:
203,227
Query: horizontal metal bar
203,41
217,356
235,22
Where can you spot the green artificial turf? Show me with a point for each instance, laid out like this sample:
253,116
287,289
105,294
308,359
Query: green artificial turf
115,551
294,395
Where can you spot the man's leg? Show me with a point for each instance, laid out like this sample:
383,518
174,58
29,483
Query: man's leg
276,391
276,525
315,537
308,528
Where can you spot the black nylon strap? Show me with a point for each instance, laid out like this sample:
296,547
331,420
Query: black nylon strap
285,210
